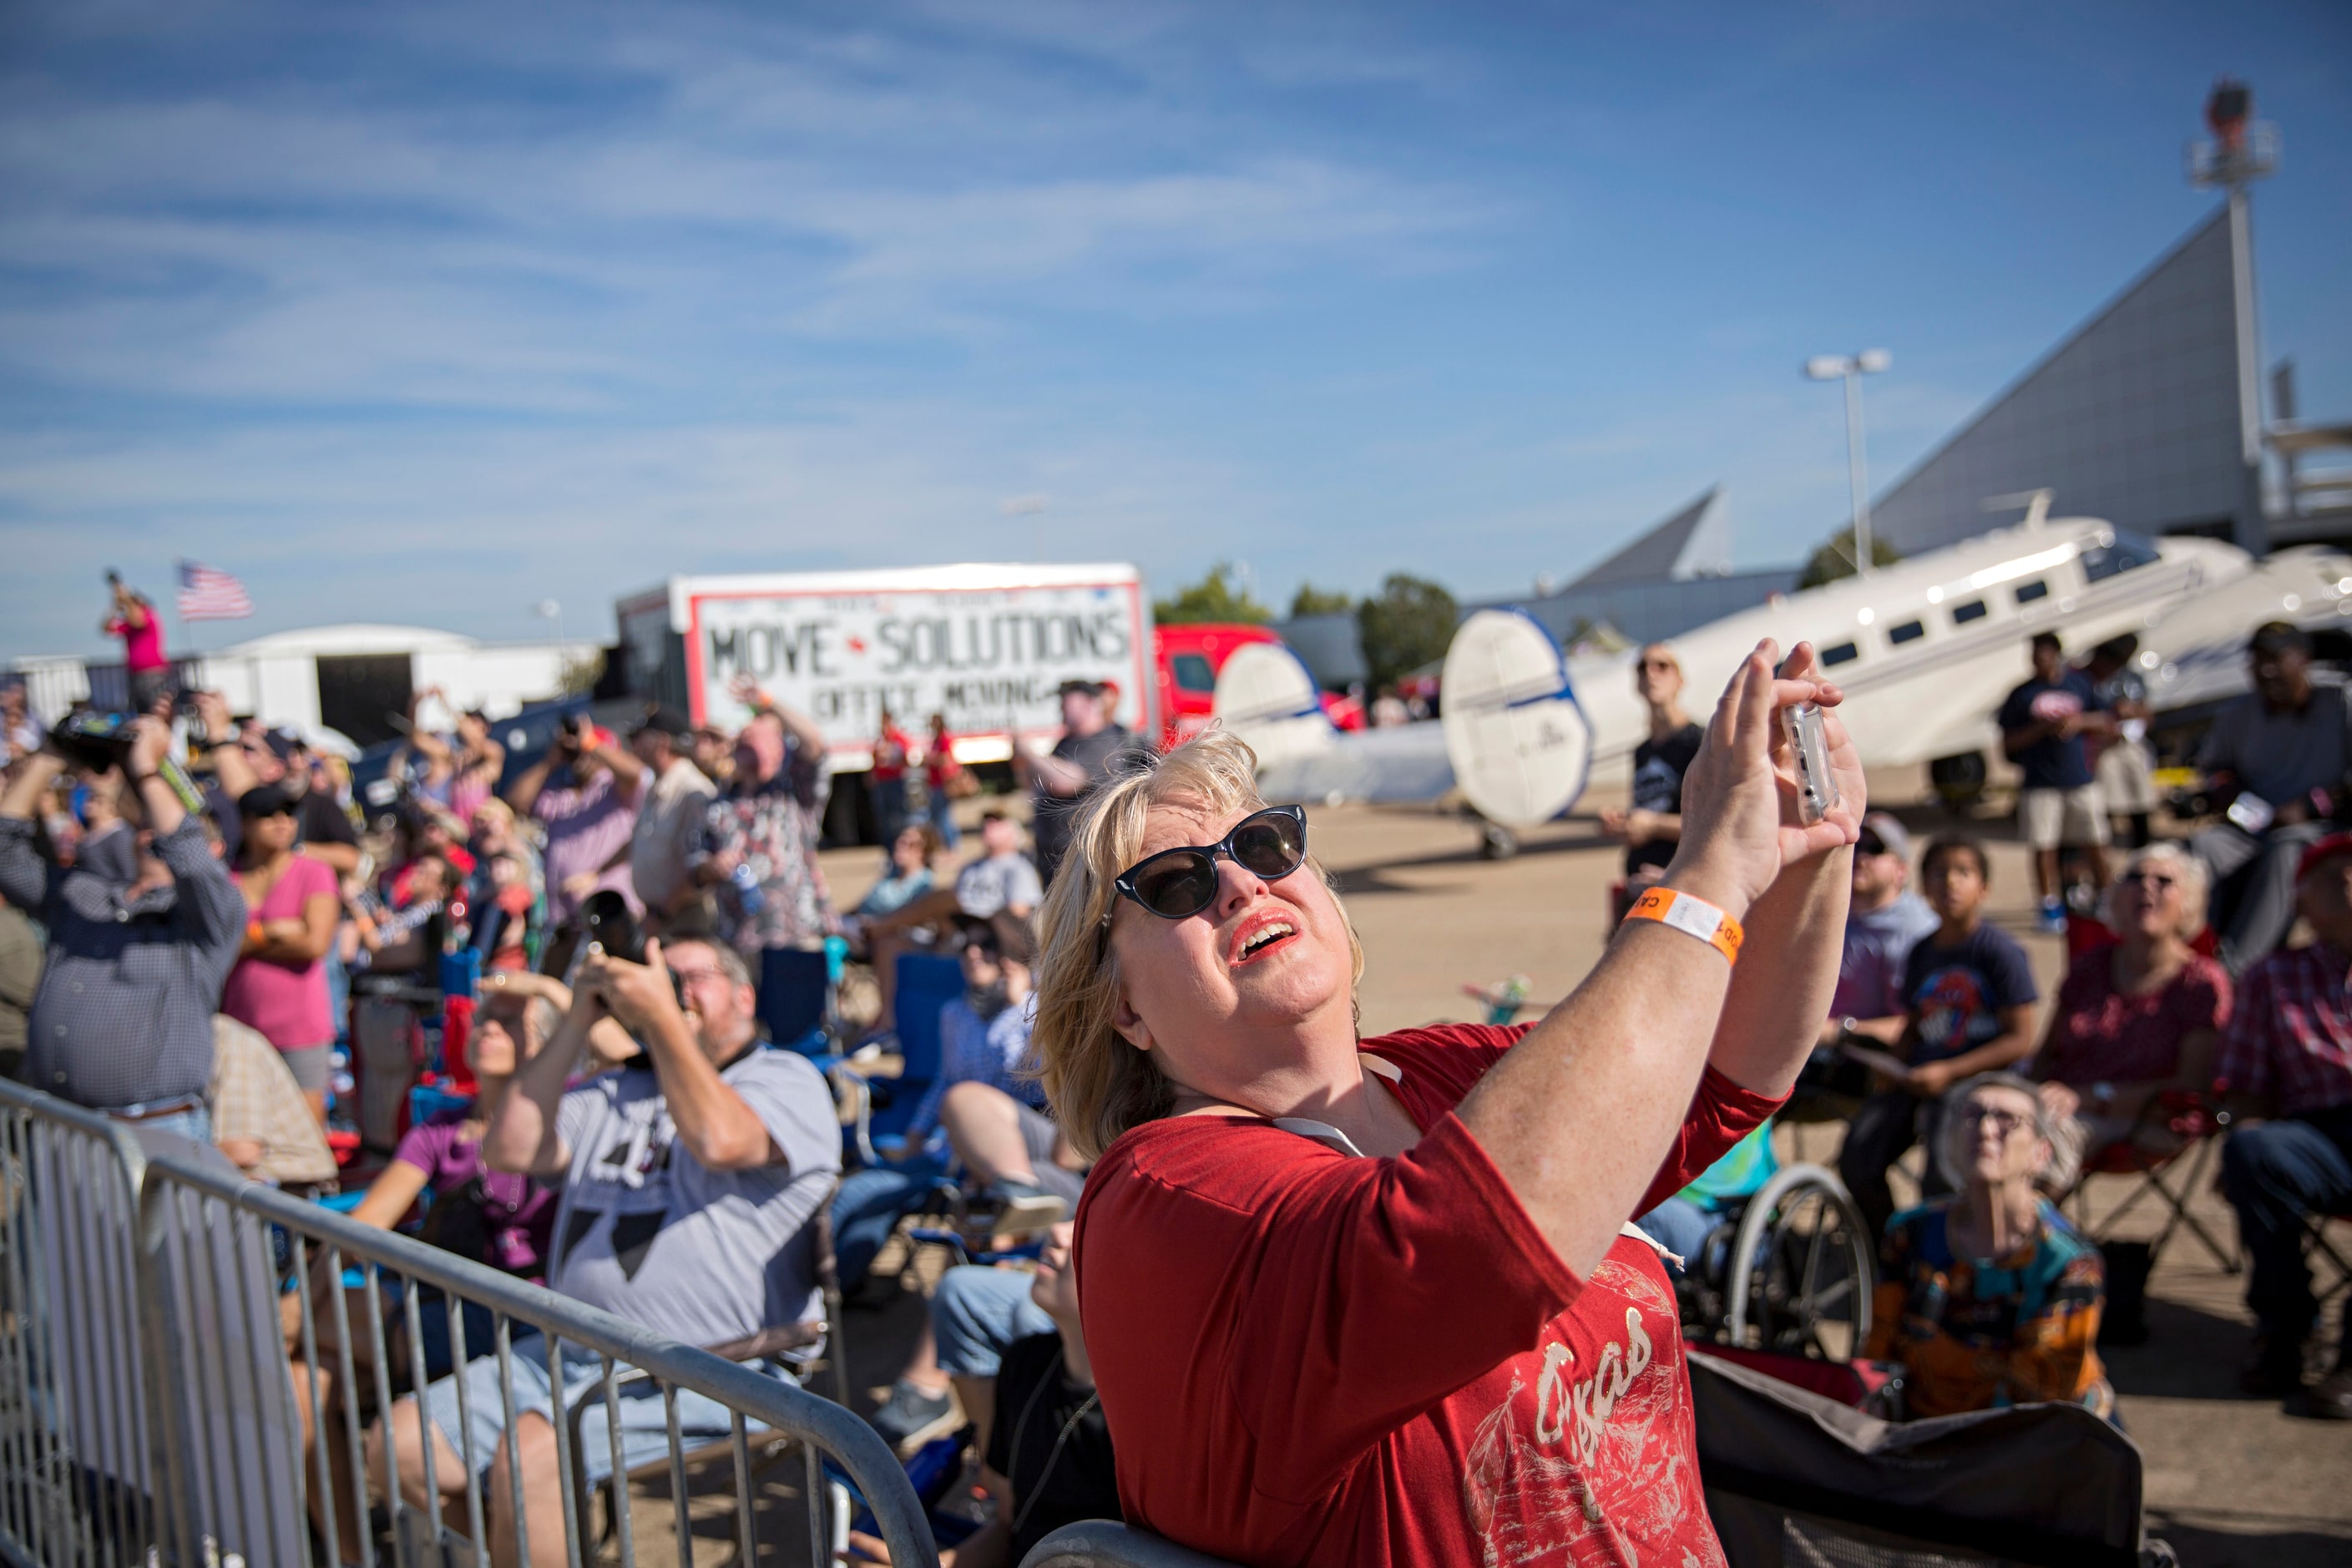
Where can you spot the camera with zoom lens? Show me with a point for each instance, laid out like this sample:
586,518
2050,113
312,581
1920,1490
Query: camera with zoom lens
101,742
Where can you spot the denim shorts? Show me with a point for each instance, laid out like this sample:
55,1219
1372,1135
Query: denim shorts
644,1423
977,1312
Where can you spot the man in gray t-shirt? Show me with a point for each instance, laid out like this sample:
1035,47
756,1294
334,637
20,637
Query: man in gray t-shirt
690,1178
2275,761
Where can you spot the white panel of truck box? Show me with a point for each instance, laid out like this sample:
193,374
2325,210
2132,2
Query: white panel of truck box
988,646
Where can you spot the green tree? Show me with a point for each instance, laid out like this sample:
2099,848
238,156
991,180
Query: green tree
1835,559
581,674
1311,600
1406,624
1213,599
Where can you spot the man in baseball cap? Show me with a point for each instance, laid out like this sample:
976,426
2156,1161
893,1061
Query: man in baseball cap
1884,920
2275,761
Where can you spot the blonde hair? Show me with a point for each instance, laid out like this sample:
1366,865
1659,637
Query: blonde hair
1100,1085
2186,870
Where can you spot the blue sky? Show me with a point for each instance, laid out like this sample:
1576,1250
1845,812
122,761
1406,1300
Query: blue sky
427,314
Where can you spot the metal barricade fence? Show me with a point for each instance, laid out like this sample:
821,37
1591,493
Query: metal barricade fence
186,1208
77,1458
162,1403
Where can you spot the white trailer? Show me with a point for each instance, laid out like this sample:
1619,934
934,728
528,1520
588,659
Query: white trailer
987,646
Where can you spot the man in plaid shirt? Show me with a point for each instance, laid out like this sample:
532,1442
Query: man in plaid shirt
2287,1066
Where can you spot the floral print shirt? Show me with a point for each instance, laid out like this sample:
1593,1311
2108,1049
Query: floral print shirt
773,828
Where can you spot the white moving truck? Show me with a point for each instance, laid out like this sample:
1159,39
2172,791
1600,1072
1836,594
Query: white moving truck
988,646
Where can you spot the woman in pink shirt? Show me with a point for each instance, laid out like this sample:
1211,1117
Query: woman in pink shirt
280,984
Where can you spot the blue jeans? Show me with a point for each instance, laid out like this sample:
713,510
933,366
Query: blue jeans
645,1426
1682,1228
2273,1174
869,1207
889,797
977,1312
943,819
195,1125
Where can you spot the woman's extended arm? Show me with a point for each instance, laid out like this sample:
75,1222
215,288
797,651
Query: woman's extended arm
1581,1113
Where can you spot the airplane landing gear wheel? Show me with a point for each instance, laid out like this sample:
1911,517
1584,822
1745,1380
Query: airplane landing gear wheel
1496,842
1802,1269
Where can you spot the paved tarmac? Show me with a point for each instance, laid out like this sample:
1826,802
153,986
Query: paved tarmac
2229,1480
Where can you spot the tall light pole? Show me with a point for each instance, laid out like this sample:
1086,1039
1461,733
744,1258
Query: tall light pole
551,610
2242,149
1851,368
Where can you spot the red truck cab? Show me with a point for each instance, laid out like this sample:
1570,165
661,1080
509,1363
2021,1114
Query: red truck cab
1191,654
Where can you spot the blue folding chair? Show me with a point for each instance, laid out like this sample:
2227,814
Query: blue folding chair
883,1108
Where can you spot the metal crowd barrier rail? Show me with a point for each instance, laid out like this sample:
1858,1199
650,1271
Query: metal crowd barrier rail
158,1404
1105,1544
182,1201
78,1456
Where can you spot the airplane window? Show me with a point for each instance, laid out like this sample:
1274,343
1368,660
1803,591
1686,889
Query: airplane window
1192,673
2028,592
2128,553
1840,654
1974,610
1909,631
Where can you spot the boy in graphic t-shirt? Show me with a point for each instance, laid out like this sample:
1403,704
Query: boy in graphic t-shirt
1968,988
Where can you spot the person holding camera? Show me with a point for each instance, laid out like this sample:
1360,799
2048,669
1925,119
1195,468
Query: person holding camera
132,619
689,1179
144,928
585,792
1355,1300
2278,766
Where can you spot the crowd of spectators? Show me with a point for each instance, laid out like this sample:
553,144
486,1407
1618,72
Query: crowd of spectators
198,938
2148,1043
191,940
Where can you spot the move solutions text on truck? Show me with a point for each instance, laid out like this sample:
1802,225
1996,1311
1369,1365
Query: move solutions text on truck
987,646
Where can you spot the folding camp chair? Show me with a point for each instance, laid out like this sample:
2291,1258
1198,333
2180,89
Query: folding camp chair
880,1108
2317,1244
822,1340
2198,1122
1793,1478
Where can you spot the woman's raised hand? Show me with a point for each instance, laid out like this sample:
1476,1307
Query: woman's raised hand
1740,822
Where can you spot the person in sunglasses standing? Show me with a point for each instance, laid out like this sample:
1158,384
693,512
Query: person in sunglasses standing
1652,821
1378,1300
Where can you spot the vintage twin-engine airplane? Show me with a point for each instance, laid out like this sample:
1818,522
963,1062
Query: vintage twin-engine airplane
1926,649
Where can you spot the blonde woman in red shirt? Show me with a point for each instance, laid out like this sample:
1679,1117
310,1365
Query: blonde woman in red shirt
1359,1301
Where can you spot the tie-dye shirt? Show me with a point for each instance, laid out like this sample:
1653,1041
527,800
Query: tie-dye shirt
1981,1334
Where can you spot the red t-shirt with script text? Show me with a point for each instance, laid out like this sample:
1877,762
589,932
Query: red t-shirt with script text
1312,1359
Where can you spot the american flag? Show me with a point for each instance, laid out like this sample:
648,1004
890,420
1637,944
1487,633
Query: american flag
207,595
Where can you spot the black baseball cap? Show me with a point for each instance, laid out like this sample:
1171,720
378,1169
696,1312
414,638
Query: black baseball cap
664,720
264,800
1091,688
2278,636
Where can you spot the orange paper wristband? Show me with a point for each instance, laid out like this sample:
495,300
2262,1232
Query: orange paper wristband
1693,917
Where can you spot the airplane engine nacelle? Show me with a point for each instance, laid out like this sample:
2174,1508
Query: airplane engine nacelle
1519,744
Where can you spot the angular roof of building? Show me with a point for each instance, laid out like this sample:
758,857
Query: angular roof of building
1693,542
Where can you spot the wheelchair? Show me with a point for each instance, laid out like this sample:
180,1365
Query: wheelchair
1789,1269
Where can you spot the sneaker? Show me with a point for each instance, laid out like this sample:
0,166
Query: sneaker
1018,1208
910,1417
2053,916
2329,1399
2273,1367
